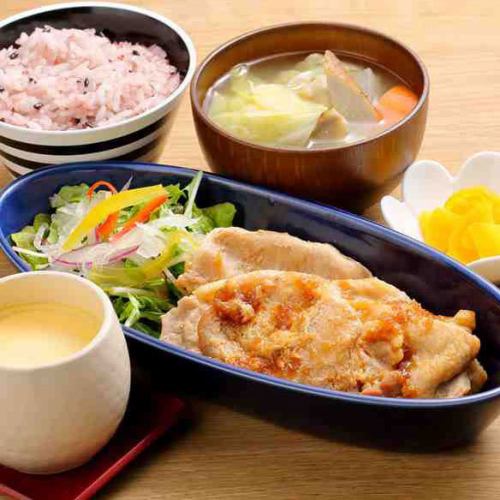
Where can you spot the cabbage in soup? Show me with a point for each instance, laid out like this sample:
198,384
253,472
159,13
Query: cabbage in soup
316,101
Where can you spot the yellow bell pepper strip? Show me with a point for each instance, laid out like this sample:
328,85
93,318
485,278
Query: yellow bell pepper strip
153,268
116,276
107,227
135,276
97,214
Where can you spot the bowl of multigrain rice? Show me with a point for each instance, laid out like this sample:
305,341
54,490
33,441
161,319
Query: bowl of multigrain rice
89,81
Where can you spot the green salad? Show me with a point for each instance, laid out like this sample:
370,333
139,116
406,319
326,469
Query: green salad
133,243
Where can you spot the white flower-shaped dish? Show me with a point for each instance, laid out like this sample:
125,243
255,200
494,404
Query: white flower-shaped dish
427,185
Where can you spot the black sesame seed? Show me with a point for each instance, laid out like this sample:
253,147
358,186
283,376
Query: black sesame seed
14,55
76,121
31,80
86,82
38,105
2,89
135,53
16,45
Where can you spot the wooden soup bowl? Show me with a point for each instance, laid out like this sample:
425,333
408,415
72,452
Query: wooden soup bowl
353,176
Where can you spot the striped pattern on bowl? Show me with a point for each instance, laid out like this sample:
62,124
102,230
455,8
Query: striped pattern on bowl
140,140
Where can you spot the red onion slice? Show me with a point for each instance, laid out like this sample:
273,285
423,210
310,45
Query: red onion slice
83,256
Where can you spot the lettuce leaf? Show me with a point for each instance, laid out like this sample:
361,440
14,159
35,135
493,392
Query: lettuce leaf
39,220
204,225
191,190
24,239
221,214
175,193
142,312
69,194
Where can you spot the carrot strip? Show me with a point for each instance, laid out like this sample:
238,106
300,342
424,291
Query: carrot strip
142,216
97,184
106,228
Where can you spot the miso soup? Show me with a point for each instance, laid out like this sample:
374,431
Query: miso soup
307,101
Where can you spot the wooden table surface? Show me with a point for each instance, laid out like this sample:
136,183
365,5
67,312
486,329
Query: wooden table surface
229,455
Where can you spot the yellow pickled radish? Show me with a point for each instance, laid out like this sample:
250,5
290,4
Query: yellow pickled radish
496,210
462,245
467,227
466,199
486,238
437,227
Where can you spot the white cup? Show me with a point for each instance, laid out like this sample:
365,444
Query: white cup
57,416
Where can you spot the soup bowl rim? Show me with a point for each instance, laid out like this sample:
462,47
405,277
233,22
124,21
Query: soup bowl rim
198,107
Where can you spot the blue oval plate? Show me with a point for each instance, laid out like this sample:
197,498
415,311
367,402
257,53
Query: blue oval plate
439,283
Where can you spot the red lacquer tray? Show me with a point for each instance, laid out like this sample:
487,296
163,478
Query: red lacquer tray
149,415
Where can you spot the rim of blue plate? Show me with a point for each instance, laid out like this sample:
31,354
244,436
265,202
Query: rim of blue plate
358,222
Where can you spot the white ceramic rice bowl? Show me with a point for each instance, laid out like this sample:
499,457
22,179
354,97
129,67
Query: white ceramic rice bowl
138,138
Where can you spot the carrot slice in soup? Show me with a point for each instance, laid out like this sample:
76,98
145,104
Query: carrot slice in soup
396,103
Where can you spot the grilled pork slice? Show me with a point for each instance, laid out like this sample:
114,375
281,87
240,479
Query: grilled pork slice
361,336
347,97
230,251
469,381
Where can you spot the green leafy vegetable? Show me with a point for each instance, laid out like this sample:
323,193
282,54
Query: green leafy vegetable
127,213
177,269
205,224
41,219
221,214
24,240
69,194
139,310
174,294
175,193
191,189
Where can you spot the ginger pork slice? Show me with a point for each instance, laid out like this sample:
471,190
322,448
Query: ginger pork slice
363,335
226,252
